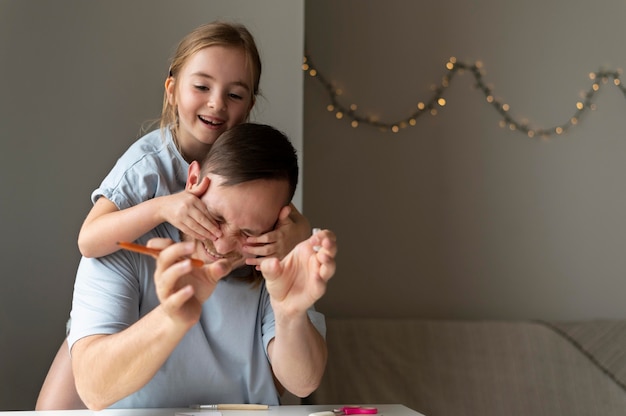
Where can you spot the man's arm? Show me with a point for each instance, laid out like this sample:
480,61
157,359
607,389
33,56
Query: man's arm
298,355
108,368
298,351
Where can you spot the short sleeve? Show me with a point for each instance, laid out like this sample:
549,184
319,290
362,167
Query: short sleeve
269,324
151,167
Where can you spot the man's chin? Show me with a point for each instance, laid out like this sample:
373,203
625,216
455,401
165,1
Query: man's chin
238,263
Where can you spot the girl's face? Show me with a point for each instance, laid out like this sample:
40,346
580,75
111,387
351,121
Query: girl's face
212,93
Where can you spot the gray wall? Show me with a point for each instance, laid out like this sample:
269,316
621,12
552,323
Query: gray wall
458,217
79,79
453,218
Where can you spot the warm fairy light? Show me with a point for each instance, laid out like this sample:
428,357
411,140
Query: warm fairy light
585,104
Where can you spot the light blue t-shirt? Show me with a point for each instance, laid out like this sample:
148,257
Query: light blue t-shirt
222,359
151,167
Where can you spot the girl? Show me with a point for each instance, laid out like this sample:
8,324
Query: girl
211,86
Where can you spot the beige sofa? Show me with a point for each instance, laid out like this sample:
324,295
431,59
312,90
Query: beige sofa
477,368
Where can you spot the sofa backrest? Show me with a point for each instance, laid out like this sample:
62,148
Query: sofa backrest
483,368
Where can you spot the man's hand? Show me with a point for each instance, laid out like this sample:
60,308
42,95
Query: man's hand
299,280
181,287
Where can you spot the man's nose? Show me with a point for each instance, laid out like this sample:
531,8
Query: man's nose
225,244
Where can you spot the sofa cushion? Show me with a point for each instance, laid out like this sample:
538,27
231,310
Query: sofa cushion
603,341
455,368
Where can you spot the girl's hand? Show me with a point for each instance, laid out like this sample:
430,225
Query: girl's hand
189,214
291,228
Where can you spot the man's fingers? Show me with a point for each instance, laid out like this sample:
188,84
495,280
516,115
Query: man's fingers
176,252
160,243
218,269
177,299
271,268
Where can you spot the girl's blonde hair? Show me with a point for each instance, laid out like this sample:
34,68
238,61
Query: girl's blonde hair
216,33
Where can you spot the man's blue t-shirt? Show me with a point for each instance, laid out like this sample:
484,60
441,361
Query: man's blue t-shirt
222,359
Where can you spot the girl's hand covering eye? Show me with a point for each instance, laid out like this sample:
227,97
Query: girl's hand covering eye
291,228
189,214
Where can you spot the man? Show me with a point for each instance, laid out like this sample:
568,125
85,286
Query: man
164,333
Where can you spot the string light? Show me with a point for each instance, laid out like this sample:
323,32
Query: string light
430,106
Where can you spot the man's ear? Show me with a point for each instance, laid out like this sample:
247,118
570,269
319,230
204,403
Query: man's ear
284,213
196,183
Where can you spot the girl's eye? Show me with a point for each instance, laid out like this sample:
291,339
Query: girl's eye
236,96
201,88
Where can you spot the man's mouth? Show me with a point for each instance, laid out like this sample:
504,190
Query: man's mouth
233,257
211,121
212,253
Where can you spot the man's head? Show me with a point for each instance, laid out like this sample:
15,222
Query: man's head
253,174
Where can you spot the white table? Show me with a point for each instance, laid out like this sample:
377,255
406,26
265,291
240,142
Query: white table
383,410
